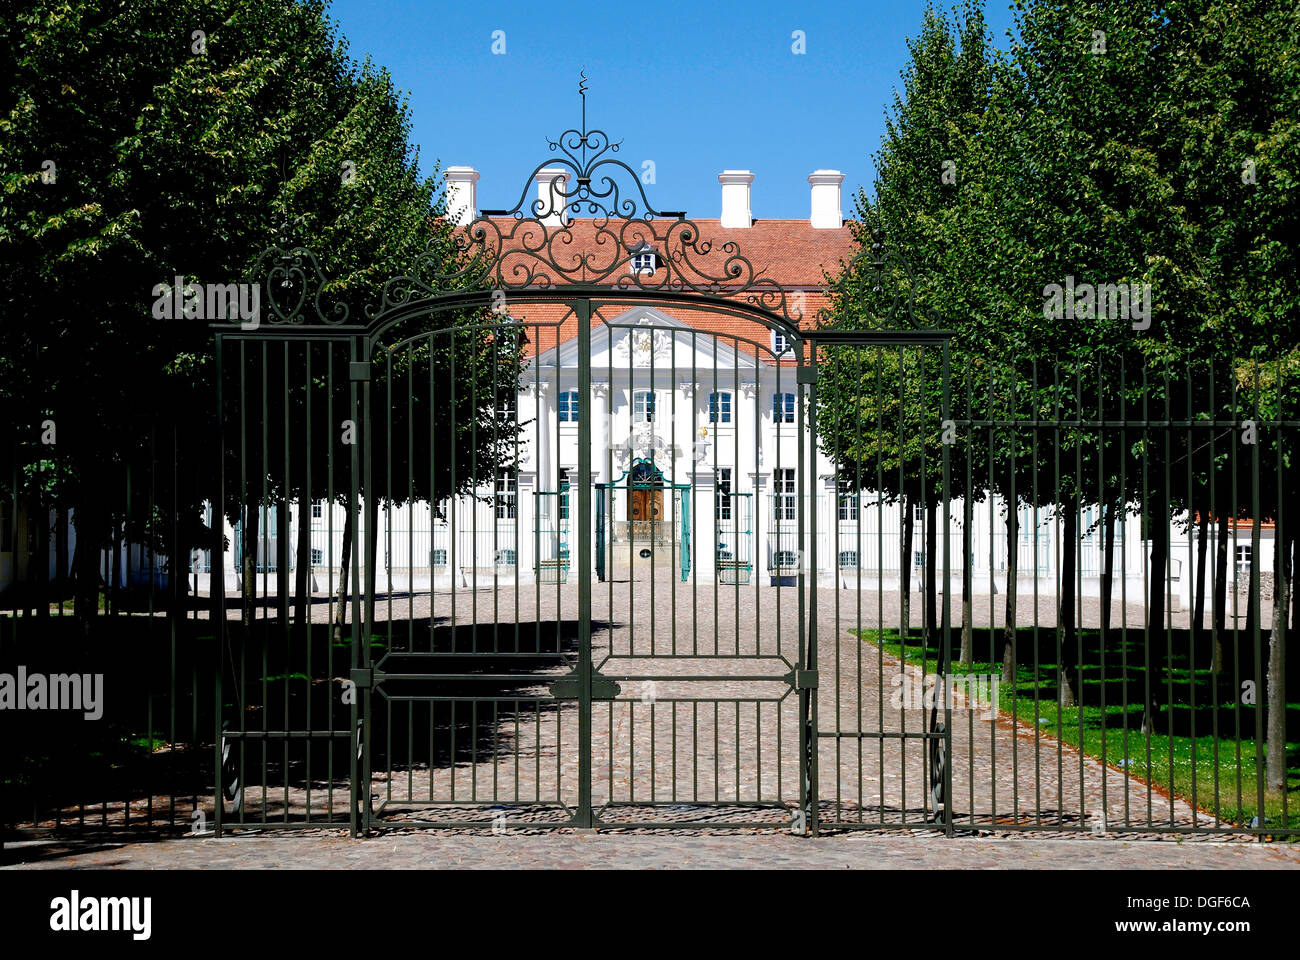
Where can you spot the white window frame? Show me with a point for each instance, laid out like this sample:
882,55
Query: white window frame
785,412
644,260
848,503
785,496
644,406
779,343
723,497
567,399
507,495
720,407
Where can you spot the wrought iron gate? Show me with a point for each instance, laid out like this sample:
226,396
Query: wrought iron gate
501,634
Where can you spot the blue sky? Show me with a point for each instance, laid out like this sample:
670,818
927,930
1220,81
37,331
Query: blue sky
694,87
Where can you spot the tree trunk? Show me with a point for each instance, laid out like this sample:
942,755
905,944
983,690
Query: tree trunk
1198,601
248,576
1275,748
1009,627
931,574
1066,631
372,556
302,583
85,603
1158,526
905,571
282,571
61,554
1220,594
1252,581
340,612
1108,568
42,580
967,631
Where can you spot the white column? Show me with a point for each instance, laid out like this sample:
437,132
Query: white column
542,432
704,544
600,430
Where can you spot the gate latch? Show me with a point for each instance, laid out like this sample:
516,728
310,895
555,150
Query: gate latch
363,677
602,687
802,679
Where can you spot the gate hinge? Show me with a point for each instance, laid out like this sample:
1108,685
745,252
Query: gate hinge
802,679
363,677
806,374
359,371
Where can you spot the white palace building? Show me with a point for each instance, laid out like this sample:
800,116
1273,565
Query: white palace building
696,453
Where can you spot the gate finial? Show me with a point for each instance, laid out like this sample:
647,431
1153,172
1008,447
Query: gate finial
582,92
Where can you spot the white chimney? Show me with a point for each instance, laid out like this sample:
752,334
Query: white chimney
827,213
735,198
551,208
462,195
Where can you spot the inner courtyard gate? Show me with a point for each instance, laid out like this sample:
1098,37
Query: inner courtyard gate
494,632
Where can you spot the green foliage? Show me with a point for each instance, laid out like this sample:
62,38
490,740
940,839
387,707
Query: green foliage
176,155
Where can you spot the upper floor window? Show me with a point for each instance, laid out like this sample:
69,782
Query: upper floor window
644,260
719,408
643,406
783,407
317,509
779,343
568,406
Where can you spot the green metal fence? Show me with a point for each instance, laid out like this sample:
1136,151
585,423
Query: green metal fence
819,604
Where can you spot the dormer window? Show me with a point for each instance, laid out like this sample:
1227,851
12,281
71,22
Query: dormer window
644,259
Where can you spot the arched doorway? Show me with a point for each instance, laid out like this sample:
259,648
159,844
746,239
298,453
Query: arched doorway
645,502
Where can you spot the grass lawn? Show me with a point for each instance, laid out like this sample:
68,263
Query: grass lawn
1203,744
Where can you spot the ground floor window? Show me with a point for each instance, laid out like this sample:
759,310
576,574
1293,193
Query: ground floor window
848,500
783,494
506,495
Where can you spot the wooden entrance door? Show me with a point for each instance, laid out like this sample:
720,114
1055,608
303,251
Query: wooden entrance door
646,503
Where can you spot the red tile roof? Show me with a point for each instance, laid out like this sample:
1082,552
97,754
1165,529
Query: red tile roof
792,254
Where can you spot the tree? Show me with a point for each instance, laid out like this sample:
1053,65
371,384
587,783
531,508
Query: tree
182,153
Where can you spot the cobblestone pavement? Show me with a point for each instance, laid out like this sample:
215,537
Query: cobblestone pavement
565,850
704,724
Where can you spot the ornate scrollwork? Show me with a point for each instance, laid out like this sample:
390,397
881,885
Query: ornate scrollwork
293,284
602,225
588,231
